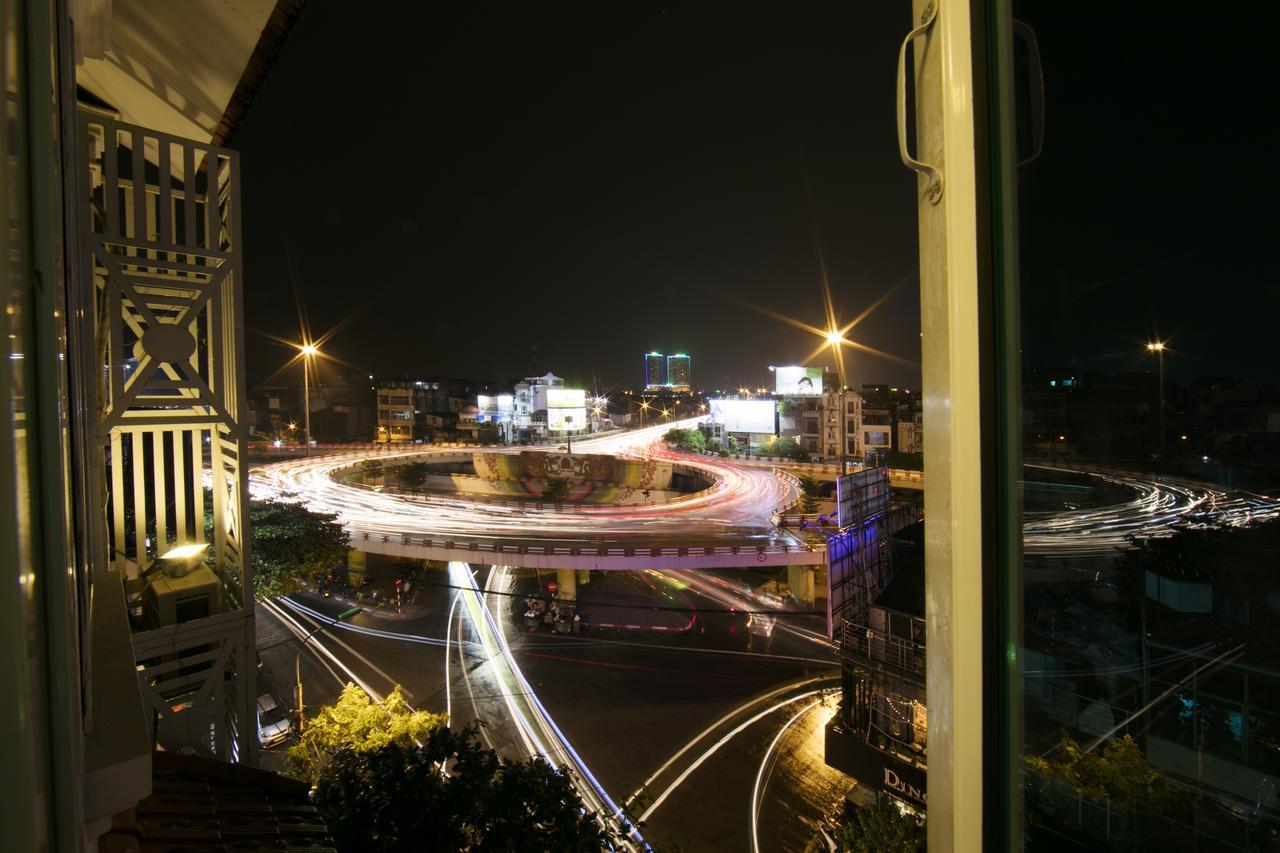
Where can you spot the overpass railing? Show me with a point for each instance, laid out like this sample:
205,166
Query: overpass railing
869,644
758,552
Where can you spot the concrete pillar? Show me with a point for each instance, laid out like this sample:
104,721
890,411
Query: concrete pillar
357,566
801,581
566,584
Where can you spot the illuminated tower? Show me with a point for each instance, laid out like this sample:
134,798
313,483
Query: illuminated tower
654,371
679,372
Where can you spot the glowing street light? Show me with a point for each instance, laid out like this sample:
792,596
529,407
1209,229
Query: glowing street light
1158,347
309,353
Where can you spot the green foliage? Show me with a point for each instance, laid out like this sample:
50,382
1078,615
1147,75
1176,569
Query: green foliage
724,454
786,448
290,544
1119,772
811,485
372,468
413,475
449,794
731,444
882,829
692,440
357,724
555,489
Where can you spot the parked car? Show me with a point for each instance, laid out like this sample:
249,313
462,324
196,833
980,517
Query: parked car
274,727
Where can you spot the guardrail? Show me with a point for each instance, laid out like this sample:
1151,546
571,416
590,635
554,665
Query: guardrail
552,549
867,643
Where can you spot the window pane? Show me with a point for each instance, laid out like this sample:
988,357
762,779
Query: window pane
1150,433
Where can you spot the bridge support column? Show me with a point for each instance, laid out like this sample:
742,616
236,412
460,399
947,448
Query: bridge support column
801,581
566,584
357,565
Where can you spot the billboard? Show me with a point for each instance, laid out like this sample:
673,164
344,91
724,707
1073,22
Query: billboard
565,398
563,419
862,495
754,416
503,404
798,381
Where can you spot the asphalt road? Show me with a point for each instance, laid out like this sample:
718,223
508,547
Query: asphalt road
626,701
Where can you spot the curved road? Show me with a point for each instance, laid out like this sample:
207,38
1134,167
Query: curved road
735,509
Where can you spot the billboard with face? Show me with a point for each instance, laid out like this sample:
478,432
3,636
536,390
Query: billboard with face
751,416
798,381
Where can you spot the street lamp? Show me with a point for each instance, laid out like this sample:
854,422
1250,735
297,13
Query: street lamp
297,660
644,407
835,338
309,352
1158,348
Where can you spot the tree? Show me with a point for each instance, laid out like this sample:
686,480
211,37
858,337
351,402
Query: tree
355,723
786,448
1118,773
394,779
413,475
290,544
555,489
881,829
812,493
372,468
692,440
488,434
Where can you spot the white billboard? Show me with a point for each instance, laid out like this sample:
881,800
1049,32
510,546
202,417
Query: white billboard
503,404
566,398
754,416
798,381
566,419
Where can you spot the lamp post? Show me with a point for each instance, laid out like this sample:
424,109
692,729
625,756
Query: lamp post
644,407
309,352
1158,348
834,337
297,660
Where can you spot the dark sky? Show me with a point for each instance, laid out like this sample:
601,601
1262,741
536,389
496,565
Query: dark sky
466,185
462,185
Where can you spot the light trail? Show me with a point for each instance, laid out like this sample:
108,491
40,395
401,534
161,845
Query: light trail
317,645
734,509
756,790
1158,509
448,653
702,759
538,731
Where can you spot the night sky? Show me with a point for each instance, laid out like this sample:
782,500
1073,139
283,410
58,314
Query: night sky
468,185
464,185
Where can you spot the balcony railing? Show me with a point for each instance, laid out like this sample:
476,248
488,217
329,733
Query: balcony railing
867,644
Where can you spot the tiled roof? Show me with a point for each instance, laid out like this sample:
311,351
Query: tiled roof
199,805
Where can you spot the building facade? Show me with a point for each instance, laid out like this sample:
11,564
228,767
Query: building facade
679,372
655,371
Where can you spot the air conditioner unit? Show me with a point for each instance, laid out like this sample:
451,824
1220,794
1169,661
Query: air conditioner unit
170,600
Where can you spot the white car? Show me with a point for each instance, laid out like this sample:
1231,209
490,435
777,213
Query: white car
274,727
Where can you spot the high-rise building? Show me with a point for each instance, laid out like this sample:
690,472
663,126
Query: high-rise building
655,372
679,372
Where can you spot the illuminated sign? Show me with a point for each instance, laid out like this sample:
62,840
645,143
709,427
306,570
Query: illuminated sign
751,416
566,398
798,381
563,420
501,404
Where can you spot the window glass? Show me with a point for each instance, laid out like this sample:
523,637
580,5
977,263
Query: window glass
1148,662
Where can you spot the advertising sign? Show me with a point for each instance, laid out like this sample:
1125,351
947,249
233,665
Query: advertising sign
861,495
798,381
502,404
751,416
561,420
566,398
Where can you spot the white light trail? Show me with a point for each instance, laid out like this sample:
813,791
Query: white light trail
764,762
